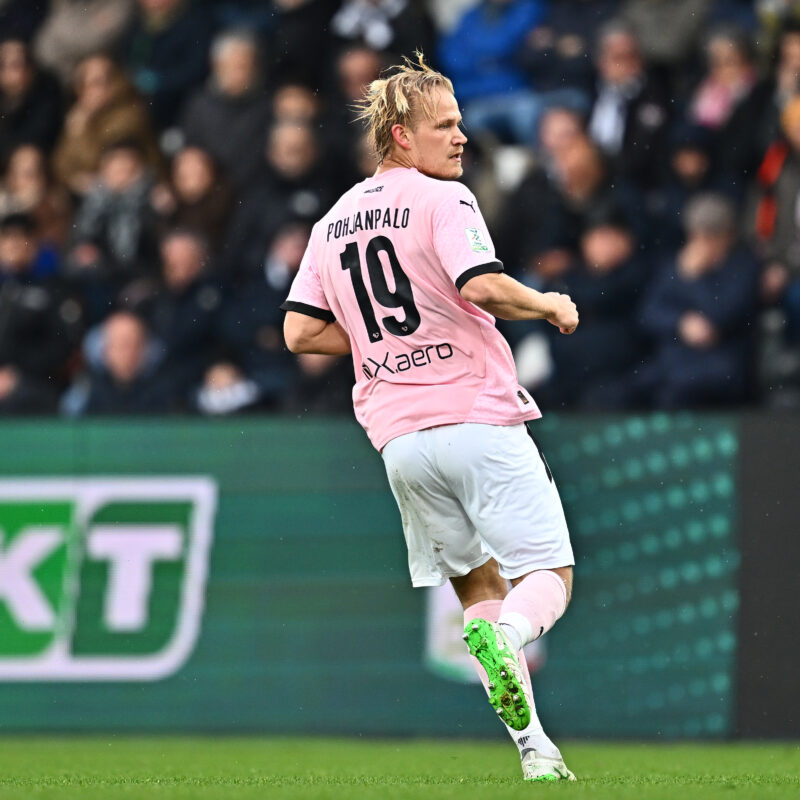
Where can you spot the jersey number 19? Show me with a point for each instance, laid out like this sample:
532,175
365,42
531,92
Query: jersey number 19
401,297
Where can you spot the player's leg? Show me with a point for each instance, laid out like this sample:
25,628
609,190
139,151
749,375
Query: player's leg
479,585
508,492
535,603
481,593
442,541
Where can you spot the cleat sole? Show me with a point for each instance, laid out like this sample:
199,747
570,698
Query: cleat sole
511,707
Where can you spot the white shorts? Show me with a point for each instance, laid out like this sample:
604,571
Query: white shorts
471,492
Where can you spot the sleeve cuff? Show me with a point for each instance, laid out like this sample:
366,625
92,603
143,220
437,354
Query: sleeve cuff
309,311
481,269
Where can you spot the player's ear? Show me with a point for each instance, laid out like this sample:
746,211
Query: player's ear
400,135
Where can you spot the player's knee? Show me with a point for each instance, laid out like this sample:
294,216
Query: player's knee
480,584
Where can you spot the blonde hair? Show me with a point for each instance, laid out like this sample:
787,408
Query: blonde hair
396,99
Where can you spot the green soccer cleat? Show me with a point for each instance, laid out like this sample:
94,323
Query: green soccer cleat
507,690
537,767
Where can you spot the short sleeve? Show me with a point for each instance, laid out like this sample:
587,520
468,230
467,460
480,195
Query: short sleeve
460,236
306,295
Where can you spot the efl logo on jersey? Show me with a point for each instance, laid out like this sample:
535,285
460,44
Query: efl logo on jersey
102,579
476,241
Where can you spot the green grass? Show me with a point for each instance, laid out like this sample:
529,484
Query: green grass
182,767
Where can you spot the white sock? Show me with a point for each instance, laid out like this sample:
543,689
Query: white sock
513,635
538,741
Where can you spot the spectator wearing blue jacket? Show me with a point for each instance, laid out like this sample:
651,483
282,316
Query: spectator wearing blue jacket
699,312
481,54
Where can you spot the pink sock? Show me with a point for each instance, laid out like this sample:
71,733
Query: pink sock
532,607
490,611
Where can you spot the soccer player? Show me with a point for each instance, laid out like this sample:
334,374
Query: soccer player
402,273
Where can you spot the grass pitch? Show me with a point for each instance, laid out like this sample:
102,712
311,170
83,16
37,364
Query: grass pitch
181,767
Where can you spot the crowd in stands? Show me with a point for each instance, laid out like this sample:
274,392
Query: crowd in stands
162,163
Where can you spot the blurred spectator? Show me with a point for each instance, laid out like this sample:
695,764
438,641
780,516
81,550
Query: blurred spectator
558,52
699,312
196,197
294,102
322,385
773,220
479,56
125,377
27,187
106,110
399,26
517,236
252,322
270,142
556,204
165,50
669,31
787,70
226,390
39,323
299,41
39,258
630,110
773,16
75,29
689,171
229,116
581,180
730,100
114,225
447,13
606,282
182,310
298,182
355,68
783,83
561,129
30,100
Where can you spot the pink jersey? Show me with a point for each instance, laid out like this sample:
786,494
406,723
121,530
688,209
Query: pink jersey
387,261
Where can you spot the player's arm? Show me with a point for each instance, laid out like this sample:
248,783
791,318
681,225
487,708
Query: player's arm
506,298
306,334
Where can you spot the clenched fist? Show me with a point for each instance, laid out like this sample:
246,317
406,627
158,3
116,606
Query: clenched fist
564,313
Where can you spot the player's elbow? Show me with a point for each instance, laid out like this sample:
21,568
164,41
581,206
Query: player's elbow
293,344
296,343
482,290
295,333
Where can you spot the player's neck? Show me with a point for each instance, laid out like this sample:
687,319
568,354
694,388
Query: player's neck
392,162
